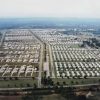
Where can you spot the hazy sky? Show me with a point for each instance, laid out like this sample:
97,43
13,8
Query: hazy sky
50,8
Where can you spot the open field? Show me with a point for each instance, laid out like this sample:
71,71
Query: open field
19,83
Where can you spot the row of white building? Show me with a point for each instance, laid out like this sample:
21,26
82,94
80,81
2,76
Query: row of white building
77,69
17,71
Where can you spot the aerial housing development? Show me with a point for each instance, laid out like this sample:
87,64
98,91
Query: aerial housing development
20,55
42,58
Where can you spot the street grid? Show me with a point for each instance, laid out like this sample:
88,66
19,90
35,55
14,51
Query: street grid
22,53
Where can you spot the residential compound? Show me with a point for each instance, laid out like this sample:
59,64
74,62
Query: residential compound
25,54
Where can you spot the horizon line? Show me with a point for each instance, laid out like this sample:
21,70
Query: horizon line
47,17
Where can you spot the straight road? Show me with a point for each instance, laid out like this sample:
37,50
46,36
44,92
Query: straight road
51,61
3,37
41,58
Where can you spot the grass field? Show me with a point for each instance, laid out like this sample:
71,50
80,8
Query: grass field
17,83
76,81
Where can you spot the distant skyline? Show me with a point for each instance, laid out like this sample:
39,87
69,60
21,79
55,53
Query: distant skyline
50,8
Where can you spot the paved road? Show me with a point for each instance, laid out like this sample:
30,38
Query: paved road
85,85
41,58
40,66
51,61
3,37
46,63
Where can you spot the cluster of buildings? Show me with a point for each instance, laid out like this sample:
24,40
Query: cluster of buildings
17,70
68,58
28,53
19,54
75,55
77,69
